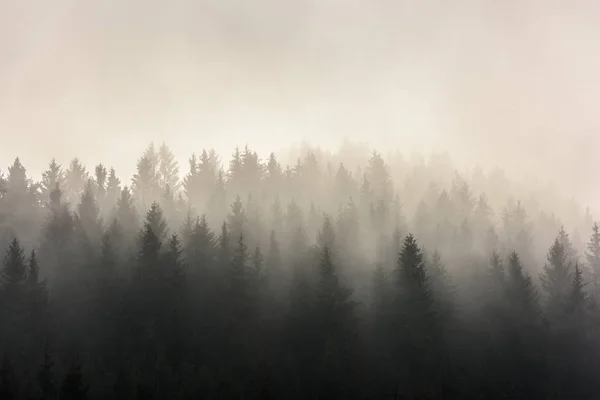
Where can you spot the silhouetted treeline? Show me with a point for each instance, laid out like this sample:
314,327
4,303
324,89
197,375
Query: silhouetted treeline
258,281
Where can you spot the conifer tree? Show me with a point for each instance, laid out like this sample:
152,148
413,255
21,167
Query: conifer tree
416,320
100,174
235,171
593,255
521,293
46,378
76,177
168,169
37,292
578,302
145,183
191,182
335,322
200,249
257,265
53,176
88,214
237,219
567,244
224,243
113,192
14,270
274,174
126,214
273,262
277,217
556,280
326,235
156,222
239,278
442,287
523,330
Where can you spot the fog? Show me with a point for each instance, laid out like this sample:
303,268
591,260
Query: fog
405,215
510,83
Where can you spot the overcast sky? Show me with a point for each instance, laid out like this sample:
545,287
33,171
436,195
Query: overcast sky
510,82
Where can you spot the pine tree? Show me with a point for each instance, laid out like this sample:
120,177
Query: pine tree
334,302
156,222
168,169
335,324
37,291
239,278
52,177
126,213
57,236
224,250
200,248
442,287
274,174
191,182
89,214
237,219
113,192
76,177
578,305
108,250
521,293
416,320
567,244
145,183
100,183
494,279
208,167
522,330
14,271
235,173
593,255
556,280
257,265
273,263
45,377
326,235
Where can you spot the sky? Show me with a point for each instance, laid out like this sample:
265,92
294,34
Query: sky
512,83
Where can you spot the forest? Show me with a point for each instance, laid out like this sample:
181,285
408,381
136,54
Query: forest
345,275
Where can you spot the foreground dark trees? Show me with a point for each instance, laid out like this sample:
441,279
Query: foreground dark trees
309,285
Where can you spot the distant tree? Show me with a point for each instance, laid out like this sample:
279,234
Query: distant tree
53,176
593,255
100,182
88,212
76,177
168,169
336,325
556,280
126,214
237,219
46,378
145,183
521,293
113,192
416,321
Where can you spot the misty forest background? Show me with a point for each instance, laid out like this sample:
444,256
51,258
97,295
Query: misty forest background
338,276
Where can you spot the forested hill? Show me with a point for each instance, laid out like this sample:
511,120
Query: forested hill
328,278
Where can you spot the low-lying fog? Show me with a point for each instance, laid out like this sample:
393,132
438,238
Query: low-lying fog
511,83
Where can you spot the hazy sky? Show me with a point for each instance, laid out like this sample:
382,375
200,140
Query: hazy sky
512,82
